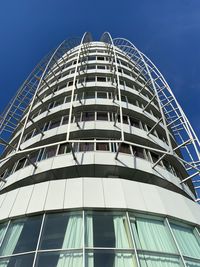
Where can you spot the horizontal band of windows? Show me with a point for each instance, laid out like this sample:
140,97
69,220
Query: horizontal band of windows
56,150
110,237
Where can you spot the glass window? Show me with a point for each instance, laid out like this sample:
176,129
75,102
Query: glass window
51,105
33,157
59,259
88,116
101,95
106,258
101,79
124,148
62,230
134,122
105,229
90,79
77,117
188,241
86,147
91,67
28,136
49,152
138,152
58,102
20,164
100,58
192,263
152,235
88,95
68,99
91,58
2,231
159,261
70,83
64,148
54,123
18,238
102,116
102,146
65,120
155,157
18,261
101,67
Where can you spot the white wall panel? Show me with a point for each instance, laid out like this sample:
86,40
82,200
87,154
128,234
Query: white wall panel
7,204
38,197
21,201
73,193
152,198
113,193
132,195
93,192
55,195
2,197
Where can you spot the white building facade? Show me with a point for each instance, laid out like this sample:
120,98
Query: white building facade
98,164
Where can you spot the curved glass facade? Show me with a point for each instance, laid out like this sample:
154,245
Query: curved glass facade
98,238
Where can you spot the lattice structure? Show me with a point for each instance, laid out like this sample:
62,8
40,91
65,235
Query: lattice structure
173,119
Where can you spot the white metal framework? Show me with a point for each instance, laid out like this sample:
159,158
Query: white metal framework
173,119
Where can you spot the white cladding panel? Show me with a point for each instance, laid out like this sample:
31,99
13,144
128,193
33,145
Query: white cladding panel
98,193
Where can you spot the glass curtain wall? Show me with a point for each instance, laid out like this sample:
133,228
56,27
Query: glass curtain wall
98,238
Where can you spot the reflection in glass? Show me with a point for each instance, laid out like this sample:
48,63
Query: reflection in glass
58,259
18,238
63,230
159,261
101,258
192,263
187,241
17,261
107,230
2,231
152,235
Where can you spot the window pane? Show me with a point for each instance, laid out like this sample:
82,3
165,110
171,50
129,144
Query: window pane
65,120
159,261
20,164
152,235
86,147
58,259
138,152
88,116
103,116
62,230
107,230
18,261
124,148
88,95
18,238
134,122
187,241
102,146
101,95
49,152
108,258
2,230
64,148
101,79
192,263
54,124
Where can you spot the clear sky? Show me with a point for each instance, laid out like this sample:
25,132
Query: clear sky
167,31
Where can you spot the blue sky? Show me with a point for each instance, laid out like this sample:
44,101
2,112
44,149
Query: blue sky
166,31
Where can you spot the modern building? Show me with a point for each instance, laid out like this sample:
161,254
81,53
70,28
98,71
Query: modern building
98,164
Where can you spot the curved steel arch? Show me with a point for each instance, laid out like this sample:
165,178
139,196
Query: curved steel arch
174,118
21,102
